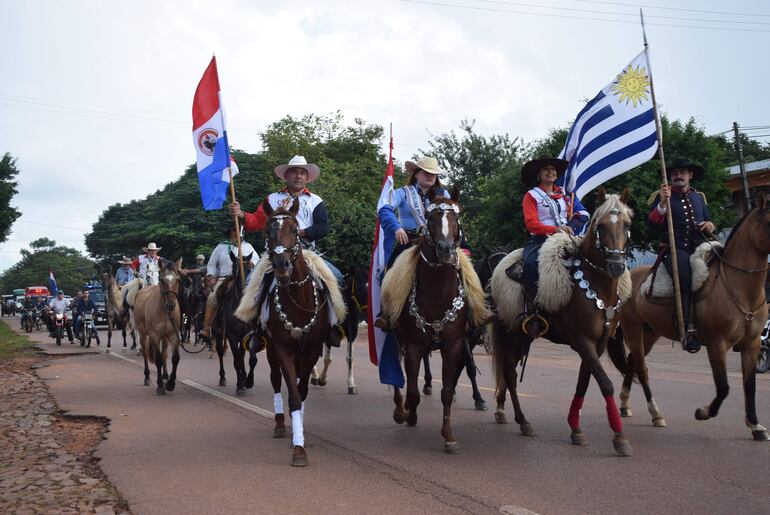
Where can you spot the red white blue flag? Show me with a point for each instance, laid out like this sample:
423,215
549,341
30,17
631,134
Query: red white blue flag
210,139
52,289
382,346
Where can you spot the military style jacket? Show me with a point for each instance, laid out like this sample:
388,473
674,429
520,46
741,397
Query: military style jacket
688,210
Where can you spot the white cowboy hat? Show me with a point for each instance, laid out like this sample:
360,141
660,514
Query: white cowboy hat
426,164
200,256
125,261
298,162
151,246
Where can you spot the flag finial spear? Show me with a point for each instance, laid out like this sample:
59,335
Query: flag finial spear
644,33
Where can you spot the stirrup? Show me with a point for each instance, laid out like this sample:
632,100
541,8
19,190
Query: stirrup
535,325
691,343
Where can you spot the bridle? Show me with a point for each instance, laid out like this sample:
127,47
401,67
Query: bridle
606,251
280,249
444,208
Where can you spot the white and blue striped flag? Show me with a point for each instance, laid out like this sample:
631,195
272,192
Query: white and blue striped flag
614,132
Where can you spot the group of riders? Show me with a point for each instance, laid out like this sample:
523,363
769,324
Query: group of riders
80,305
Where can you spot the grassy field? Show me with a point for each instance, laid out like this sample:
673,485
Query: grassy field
11,344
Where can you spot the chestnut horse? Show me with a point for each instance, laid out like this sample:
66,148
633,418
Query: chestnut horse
730,311
157,320
298,323
584,323
436,315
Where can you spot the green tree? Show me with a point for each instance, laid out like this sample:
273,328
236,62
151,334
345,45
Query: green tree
8,214
70,267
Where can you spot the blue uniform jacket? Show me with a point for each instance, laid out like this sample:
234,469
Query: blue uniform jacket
687,210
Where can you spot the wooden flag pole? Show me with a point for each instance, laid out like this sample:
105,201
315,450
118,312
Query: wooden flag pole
237,229
669,218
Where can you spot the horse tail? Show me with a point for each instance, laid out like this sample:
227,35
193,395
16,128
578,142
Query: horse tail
617,350
498,359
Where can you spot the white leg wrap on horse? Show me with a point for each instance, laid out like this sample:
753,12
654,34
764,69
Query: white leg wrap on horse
278,404
652,407
297,431
302,408
756,427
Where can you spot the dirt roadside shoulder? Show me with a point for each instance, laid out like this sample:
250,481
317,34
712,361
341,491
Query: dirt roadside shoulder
47,463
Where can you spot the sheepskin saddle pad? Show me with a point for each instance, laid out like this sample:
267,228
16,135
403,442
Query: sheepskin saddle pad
663,287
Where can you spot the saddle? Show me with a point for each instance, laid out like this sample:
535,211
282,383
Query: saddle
658,287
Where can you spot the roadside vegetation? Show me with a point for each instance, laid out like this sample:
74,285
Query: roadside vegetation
13,345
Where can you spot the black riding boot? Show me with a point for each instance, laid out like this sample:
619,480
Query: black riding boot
690,342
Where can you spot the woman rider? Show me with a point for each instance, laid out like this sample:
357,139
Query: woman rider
546,210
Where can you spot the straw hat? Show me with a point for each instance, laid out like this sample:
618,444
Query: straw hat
298,162
151,246
124,261
426,164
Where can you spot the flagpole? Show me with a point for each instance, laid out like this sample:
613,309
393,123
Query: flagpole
664,177
232,193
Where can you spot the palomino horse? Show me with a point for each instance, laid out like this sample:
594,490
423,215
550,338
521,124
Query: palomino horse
117,316
297,325
584,322
157,320
730,311
354,292
226,326
438,313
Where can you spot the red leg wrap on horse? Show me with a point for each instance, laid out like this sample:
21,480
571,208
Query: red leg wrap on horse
573,419
613,415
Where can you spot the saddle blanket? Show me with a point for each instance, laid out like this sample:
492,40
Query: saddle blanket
664,287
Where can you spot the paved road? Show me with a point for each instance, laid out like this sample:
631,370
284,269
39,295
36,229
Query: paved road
192,452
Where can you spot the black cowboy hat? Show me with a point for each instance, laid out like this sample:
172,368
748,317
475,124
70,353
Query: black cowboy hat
681,163
229,225
530,169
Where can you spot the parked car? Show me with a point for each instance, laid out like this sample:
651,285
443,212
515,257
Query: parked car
8,306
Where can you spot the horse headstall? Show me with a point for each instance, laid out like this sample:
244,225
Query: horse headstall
606,251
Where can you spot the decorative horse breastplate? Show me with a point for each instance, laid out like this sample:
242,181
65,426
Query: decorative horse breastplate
449,316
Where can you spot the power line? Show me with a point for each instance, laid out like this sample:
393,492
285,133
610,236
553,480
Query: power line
633,15
566,16
674,8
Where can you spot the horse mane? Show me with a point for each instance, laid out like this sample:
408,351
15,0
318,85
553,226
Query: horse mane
735,229
612,201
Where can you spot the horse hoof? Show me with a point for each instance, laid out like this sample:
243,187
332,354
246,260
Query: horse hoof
299,458
500,417
240,392
280,432
427,390
399,417
659,422
622,446
352,390
452,448
760,436
579,438
223,382
702,414
626,412
170,385
481,405
322,382
160,390
527,429
147,381
249,383
411,418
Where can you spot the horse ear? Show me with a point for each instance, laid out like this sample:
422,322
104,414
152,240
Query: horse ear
601,196
455,195
625,196
267,208
762,202
294,209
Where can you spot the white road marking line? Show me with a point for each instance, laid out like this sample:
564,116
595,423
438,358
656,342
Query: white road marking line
232,400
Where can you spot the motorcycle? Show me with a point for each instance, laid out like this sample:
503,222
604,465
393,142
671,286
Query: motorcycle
88,330
26,320
60,325
35,319
763,361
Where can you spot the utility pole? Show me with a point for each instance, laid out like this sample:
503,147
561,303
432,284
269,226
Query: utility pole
742,164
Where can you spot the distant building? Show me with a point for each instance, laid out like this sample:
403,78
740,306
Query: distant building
758,176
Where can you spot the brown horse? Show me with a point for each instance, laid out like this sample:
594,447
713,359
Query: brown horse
117,316
584,322
298,323
157,320
437,314
730,311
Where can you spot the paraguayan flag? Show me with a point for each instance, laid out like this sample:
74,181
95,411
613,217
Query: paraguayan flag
614,132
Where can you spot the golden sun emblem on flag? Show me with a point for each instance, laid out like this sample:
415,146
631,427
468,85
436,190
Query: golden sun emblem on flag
632,85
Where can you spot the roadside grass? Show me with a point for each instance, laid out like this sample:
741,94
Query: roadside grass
11,344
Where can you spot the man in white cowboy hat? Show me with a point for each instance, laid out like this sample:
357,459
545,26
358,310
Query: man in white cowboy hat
125,272
313,218
150,261
220,266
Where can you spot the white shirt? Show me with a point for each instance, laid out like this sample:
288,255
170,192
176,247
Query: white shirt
59,306
220,264
144,263
308,201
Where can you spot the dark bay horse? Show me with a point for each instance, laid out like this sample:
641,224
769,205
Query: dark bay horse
157,320
298,323
730,311
117,314
355,294
584,323
192,303
484,266
436,315
227,327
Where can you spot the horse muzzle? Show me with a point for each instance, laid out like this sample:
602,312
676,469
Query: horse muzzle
446,253
616,267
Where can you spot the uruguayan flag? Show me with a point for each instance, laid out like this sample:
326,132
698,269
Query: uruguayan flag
614,132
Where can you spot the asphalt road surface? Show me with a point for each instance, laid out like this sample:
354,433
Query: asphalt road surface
200,449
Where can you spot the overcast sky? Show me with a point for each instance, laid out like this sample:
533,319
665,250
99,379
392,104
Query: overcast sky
95,97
